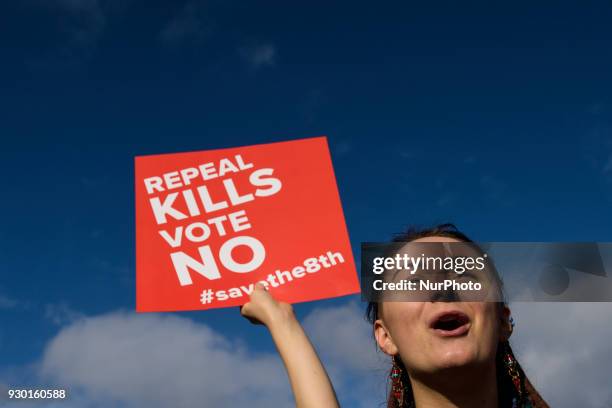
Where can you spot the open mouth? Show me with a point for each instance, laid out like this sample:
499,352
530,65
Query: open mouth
451,324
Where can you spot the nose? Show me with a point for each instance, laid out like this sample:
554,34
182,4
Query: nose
444,296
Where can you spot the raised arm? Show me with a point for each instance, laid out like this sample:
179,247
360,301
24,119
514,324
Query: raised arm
310,383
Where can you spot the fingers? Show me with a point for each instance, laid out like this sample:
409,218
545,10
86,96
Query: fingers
260,286
260,306
247,312
260,293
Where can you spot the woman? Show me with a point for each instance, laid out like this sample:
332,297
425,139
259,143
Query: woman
469,366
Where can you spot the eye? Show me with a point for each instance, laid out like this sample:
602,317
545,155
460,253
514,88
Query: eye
413,278
468,277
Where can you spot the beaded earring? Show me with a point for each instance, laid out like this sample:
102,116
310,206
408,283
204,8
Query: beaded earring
512,368
522,399
397,385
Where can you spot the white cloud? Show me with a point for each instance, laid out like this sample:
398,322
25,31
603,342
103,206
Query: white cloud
133,360
342,333
259,56
161,361
565,349
345,343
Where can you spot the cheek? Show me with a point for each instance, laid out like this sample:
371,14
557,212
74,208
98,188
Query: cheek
404,321
487,323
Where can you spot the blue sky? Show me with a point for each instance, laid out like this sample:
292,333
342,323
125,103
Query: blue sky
497,117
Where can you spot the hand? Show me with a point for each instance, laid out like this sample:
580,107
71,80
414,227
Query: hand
262,308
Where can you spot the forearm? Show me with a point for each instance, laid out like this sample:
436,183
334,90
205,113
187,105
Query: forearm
309,380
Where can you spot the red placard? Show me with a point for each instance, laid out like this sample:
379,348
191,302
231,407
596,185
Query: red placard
211,224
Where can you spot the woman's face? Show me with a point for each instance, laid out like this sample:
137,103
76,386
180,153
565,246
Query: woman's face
434,336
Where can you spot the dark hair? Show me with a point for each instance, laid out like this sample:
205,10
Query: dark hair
524,396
